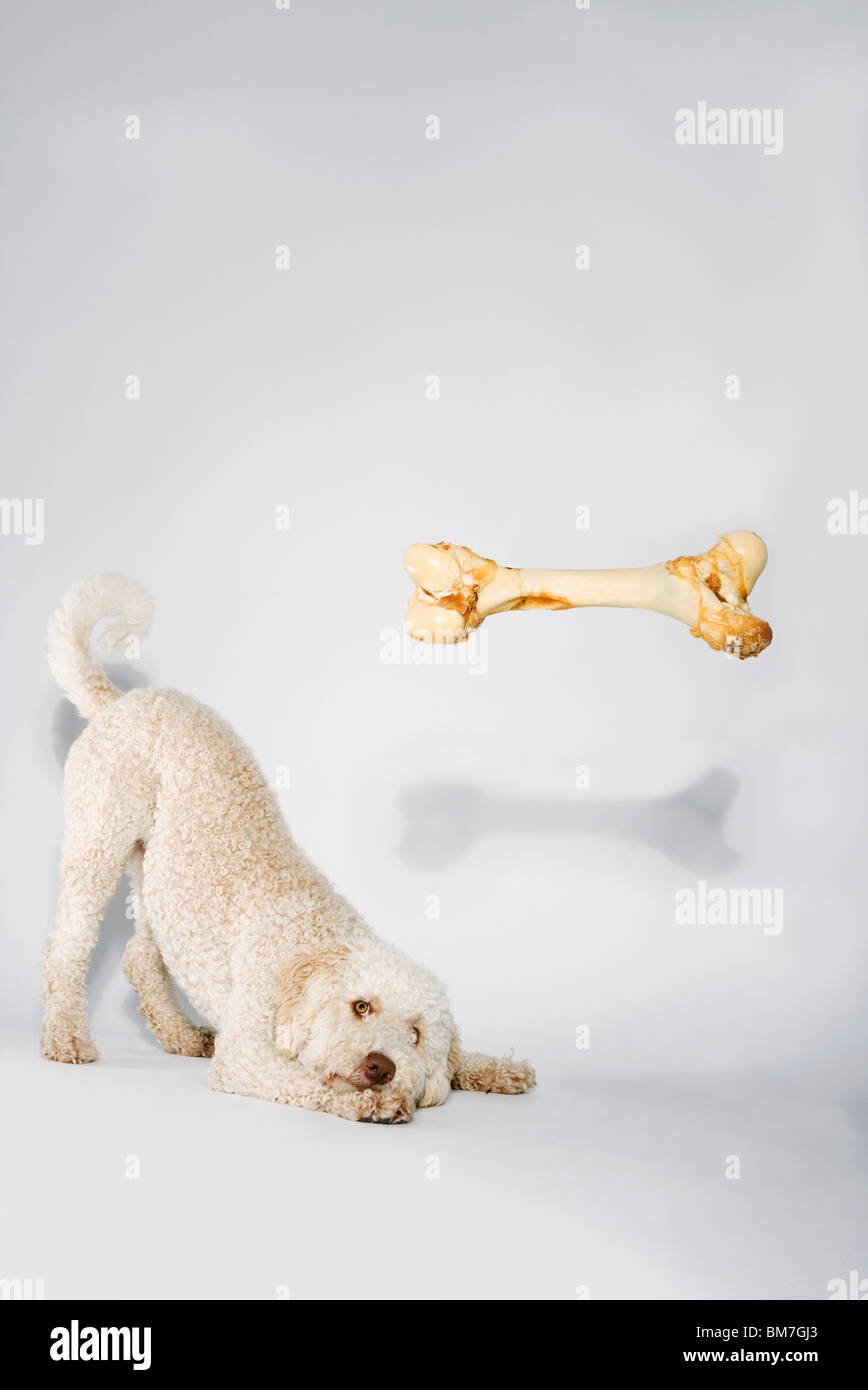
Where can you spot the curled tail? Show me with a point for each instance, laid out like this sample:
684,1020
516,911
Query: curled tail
73,666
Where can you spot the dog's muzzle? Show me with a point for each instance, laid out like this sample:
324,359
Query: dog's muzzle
374,1070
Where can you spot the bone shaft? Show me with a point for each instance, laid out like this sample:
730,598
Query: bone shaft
630,588
646,587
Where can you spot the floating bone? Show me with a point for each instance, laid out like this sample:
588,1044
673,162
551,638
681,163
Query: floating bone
456,590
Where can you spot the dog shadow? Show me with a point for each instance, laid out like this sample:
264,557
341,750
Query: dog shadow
117,927
442,822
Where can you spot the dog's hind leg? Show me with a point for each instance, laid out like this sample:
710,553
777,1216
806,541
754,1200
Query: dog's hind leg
146,971
89,873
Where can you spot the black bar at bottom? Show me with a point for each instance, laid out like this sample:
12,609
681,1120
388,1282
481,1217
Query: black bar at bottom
68,1337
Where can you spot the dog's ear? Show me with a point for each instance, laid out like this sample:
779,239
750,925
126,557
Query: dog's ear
439,1079
294,977
453,1061
474,1071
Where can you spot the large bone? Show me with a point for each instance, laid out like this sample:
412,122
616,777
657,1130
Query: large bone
457,589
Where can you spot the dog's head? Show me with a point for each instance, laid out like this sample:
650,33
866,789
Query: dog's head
362,1019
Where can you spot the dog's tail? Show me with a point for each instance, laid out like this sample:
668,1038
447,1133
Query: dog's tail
72,663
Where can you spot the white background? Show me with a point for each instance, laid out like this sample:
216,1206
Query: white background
559,388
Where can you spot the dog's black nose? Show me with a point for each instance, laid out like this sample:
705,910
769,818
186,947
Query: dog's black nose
377,1069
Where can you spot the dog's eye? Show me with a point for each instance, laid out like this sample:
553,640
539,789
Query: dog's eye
417,1036
361,1007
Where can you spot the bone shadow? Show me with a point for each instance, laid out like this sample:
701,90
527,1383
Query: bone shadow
441,822
116,928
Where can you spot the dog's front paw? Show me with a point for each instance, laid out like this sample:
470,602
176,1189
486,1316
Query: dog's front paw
184,1039
373,1107
513,1078
503,1076
393,1115
199,1042
386,1109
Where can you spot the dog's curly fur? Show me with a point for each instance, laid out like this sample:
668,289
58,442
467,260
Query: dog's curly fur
300,993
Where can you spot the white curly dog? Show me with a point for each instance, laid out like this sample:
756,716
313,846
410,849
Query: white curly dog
308,1007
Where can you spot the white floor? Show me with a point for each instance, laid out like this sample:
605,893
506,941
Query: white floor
615,1185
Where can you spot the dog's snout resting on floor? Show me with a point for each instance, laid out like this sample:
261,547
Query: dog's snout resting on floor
308,1007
